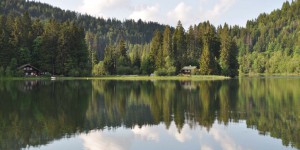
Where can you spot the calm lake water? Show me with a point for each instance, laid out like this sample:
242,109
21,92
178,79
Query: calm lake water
249,113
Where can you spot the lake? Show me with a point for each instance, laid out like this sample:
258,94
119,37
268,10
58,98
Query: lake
247,113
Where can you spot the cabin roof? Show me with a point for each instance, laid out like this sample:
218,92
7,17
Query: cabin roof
189,67
29,65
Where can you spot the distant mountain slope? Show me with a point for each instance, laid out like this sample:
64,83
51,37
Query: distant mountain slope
105,30
268,44
271,43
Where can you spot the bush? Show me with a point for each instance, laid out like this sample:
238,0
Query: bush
74,73
172,71
19,73
124,70
2,72
99,69
165,72
161,72
136,71
8,72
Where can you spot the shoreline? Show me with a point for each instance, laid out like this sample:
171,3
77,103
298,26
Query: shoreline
146,78
126,77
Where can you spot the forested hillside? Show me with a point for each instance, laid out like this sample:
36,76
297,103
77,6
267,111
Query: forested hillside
57,48
100,31
271,43
268,44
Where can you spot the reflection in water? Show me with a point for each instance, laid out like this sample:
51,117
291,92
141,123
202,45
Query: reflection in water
38,112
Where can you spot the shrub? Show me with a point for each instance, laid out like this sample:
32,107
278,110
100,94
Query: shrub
124,70
165,72
161,72
2,72
99,69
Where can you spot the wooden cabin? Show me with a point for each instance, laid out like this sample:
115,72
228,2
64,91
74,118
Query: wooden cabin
188,70
29,70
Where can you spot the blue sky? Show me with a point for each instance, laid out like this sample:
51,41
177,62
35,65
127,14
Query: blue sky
234,12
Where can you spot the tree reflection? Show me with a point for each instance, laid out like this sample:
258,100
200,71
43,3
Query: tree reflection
41,113
44,111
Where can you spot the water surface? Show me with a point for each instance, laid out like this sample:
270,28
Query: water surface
249,113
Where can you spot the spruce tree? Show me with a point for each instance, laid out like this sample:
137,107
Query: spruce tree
179,47
207,61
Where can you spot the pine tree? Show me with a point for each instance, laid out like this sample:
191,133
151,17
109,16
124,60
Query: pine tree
225,50
156,52
109,60
228,55
49,46
207,61
179,47
167,42
191,47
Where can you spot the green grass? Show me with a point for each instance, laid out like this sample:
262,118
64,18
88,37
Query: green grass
138,78
145,78
269,75
25,78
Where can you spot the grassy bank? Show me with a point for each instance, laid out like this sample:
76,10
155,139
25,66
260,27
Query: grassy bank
25,78
138,78
146,78
269,75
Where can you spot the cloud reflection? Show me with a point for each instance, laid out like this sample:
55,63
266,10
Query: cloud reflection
182,136
146,133
206,147
218,137
99,141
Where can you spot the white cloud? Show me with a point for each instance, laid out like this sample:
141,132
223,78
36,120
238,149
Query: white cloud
148,13
221,7
181,12
98,7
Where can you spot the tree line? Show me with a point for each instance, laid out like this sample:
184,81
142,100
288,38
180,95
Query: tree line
268,44
210,49
56,48
271,43
102,32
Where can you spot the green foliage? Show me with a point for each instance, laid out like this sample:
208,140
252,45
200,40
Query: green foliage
8,72
179,47
270,41
2,71
99,69
147,66
109,60
207,62
165,71
59,45
124,70
156,51
53,47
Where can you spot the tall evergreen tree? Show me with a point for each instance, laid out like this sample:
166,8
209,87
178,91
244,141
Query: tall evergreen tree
225,50
167,42
207,61
110,60
179,47
156,51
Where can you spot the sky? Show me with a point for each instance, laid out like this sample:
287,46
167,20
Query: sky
189,12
